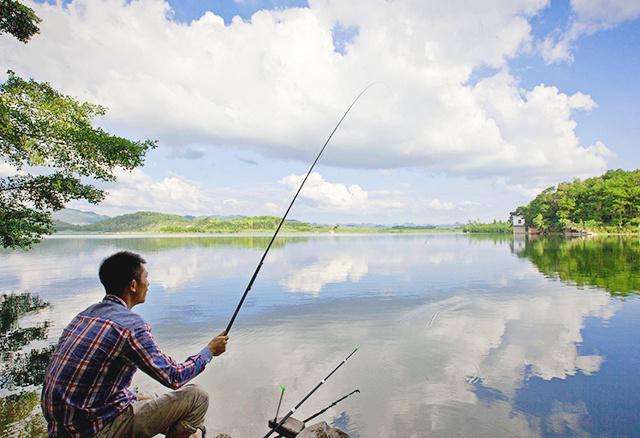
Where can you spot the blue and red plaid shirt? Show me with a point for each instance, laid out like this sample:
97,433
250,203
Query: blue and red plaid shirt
87,382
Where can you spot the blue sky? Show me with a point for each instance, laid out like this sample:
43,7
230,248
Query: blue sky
479,107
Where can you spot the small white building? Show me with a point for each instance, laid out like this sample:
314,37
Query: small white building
517,223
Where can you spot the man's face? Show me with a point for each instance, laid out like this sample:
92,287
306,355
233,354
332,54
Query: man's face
142,286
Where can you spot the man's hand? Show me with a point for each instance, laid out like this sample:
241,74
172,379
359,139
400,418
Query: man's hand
218,345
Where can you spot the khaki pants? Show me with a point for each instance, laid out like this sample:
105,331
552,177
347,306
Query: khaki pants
175,414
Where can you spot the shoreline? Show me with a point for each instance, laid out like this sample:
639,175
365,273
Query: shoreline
143,234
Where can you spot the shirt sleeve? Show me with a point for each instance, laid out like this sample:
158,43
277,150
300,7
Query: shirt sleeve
145,354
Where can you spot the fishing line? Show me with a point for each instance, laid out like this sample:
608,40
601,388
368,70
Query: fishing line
264,255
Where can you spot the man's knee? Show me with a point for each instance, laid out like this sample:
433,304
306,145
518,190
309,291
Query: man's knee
198,396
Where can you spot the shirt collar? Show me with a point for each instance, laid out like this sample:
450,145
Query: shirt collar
115,299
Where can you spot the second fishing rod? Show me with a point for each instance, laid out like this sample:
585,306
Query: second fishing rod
273,428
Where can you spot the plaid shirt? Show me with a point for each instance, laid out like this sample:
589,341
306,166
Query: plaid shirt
87,381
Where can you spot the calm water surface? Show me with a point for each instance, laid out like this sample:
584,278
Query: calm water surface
459,335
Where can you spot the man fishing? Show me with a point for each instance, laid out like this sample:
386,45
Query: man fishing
86,389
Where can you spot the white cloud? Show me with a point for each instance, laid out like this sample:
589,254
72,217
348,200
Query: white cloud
606,12
328,194
275,84
590,17
136,190
139,191
338,269
337,197
601,149
273,208
437,204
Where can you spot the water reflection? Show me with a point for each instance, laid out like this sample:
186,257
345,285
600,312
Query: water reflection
611,263
458,336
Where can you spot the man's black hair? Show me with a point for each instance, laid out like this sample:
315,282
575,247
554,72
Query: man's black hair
117,271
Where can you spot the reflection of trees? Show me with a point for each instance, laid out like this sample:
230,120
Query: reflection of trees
16,415
163,243
495,237
611,263
20,369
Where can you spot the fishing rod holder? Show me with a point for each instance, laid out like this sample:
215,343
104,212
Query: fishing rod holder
289,429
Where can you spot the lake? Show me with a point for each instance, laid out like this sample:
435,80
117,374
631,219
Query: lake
459,335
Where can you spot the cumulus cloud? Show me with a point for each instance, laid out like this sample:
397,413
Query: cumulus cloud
333,196
276,83
590,16
437,204
338,269
173,193
326,193
137,190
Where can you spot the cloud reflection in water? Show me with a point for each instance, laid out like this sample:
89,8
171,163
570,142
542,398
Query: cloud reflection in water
450,332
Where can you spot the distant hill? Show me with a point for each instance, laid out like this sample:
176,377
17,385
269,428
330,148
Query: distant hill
78,217
151,222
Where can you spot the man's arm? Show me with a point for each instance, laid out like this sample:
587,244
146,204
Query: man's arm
145,354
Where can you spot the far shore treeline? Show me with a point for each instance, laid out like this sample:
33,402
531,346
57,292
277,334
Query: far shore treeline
152,222
609,203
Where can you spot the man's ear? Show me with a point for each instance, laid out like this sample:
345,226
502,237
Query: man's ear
133,285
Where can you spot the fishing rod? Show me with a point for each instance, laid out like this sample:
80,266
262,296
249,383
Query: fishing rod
275,419
329,407
284,419
264,255
292,426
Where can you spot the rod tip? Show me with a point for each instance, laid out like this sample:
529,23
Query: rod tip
282,388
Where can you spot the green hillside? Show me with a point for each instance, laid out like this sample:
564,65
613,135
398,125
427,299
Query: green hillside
150,222
77,217
607,203
497,227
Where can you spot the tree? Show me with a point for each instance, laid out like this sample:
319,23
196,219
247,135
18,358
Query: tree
21,368
18,20
610,201
50,135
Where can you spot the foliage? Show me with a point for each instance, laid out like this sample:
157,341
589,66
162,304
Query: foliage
611,263
18,20
13,306
494,227
42,127
17,415
609,203
19,369
151,222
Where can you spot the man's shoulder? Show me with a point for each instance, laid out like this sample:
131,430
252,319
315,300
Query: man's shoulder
116,314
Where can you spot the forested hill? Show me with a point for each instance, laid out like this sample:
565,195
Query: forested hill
151,222
146,221
610,202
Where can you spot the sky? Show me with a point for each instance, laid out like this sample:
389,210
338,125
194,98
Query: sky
475,107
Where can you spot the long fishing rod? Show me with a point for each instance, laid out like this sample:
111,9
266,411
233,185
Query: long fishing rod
284,419
255,274
320,412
